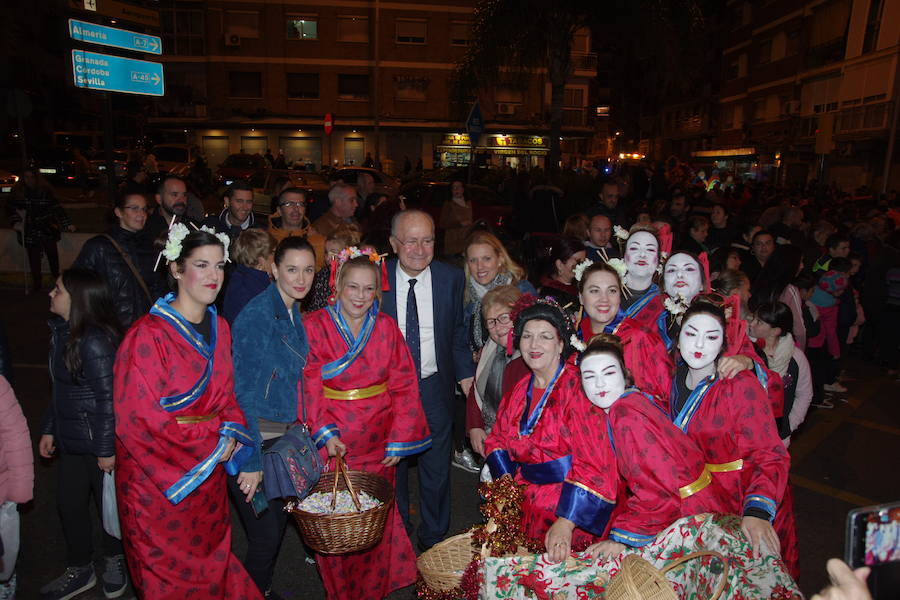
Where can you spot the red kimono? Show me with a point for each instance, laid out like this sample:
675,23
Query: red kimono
663,469
645,355
731,421
645,308
370,399
533,441
175,409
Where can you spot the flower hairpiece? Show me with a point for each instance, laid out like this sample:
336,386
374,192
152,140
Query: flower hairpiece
580,268
676,306
619,265
577,343
179,231
620,232
352,252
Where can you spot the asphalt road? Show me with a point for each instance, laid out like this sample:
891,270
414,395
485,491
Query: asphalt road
842,458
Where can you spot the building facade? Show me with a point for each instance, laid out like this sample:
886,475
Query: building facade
251,76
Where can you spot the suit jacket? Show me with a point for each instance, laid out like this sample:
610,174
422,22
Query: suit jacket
454,360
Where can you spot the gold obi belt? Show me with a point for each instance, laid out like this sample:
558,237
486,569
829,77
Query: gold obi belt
191,419
735,465
698,484
356,394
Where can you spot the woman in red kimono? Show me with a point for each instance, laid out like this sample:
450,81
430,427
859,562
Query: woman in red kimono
600,292
663,469
532,437
176,419
731,421
362,398
644,248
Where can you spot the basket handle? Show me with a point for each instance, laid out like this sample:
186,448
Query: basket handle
722,581
340,468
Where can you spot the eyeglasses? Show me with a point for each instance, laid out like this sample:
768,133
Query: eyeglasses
504,319
143,209
408,244
293,204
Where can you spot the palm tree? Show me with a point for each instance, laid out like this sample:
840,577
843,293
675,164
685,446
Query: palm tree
514,38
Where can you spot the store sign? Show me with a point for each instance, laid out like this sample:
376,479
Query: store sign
520,151
518,141
455,139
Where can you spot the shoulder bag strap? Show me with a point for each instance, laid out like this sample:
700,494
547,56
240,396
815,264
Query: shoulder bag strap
131,266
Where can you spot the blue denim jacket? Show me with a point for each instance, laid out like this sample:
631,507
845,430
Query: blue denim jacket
269,355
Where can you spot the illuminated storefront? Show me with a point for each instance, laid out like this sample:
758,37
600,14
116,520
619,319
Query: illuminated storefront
454,149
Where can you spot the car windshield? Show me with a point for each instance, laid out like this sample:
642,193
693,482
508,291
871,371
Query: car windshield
171,154
242,161
53,154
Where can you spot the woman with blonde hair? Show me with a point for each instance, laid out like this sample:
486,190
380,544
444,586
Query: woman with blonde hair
252,252
487,266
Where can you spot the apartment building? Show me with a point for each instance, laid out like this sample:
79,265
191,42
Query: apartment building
250,76
808,90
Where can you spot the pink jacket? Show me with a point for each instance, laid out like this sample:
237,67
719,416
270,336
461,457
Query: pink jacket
16,456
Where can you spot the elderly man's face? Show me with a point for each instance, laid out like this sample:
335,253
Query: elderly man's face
344,205
292,207
413,241
600,231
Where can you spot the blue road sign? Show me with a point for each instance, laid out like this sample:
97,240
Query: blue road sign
475,123
107,73
114,37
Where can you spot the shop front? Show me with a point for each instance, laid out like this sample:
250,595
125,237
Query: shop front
495,150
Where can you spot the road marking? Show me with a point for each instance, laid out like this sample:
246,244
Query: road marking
827,490
874,425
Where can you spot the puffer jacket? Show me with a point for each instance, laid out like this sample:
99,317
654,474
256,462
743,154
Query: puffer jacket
99,255
80,416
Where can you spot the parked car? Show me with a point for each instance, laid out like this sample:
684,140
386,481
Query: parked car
120,161
57,165
175,158
7,181
265,183
384,183
239,166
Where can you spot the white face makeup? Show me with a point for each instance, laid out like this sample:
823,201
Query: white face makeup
682,277
642,254
700,340
602,379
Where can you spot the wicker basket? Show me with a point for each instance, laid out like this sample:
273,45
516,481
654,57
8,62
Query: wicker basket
637,579
349,532
443,564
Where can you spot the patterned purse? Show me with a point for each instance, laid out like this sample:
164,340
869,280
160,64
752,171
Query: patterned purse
292,465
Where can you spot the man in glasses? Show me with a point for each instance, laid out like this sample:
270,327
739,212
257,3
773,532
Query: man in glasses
125,257
238,214
291,220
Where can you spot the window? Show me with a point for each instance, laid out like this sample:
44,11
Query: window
460,33
759,109
793,43
244,23
353,29
411,32
303,85
353,87
411,87
573,97
245,84
182,31
728,117
764,52
873,26
735,66
302,28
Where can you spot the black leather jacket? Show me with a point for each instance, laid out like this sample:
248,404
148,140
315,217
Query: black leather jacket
98,254
80,416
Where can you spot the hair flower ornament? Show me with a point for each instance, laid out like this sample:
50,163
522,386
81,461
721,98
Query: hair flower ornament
179,231
619,265
676,306
577,343
352,252
580,267
620,232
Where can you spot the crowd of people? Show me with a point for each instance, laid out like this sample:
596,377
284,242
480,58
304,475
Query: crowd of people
649,361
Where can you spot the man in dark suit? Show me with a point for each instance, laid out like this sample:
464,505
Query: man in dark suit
426,299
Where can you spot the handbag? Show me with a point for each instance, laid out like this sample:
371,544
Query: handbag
110,507
292,465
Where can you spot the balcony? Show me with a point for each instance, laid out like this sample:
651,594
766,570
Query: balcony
863,118
825,54
575,117
584,61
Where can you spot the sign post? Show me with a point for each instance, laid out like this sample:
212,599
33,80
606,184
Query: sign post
114,37
107,73
474,127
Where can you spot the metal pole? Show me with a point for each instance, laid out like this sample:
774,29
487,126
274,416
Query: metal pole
376,86
108,149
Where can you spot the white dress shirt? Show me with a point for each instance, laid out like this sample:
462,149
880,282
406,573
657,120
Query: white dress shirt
424,303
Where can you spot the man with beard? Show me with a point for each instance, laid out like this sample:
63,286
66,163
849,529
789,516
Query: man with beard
238,214
172,204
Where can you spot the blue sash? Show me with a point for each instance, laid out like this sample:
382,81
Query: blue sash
643,301
163,309
531,417
684,416
202,470
354,346
551,471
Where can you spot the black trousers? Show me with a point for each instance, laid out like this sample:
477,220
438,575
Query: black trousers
79,478
264,534
48,247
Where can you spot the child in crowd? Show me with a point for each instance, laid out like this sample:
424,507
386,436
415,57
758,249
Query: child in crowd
16,482
825,348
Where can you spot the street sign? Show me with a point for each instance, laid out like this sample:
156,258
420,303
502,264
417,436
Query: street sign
329,124
118,10
114,37
107,73
475,123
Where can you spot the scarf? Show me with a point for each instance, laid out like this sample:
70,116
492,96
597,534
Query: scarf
475,292
784,351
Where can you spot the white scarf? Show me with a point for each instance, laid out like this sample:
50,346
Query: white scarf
784,351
